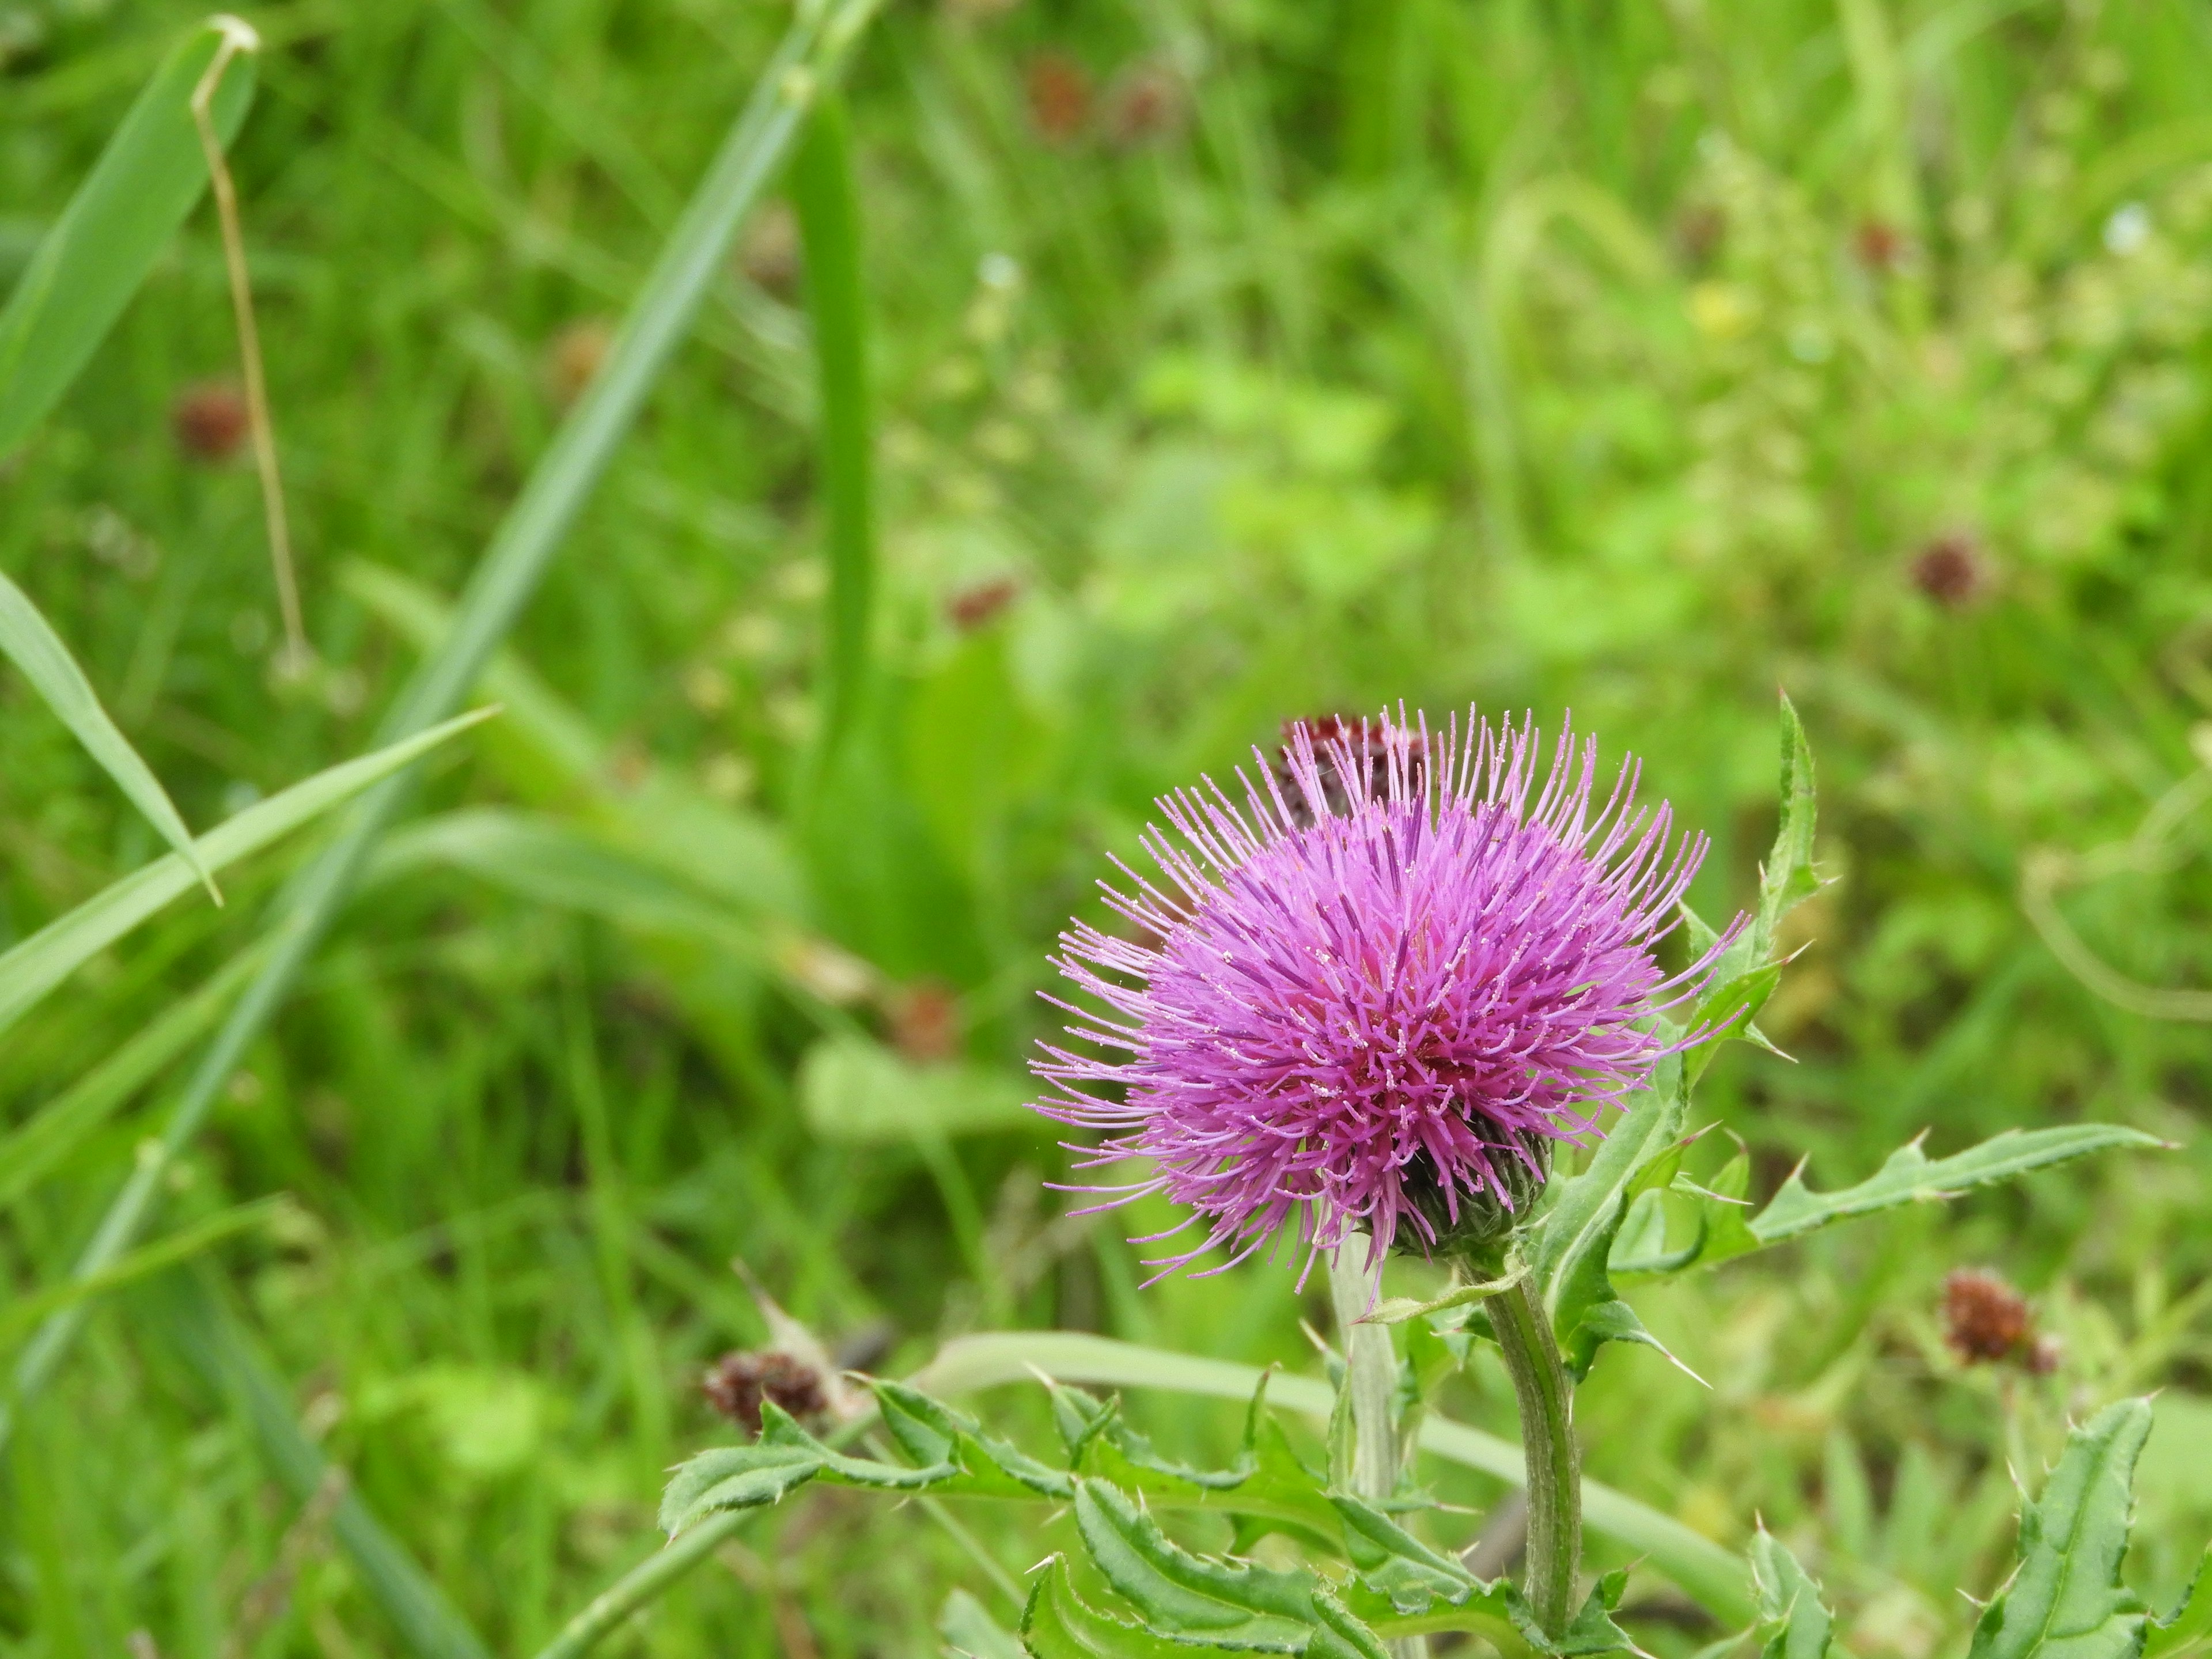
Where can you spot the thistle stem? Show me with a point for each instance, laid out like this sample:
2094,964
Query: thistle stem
1547,1399
1371,1381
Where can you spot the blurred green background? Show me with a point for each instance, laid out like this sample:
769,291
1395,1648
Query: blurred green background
1233,361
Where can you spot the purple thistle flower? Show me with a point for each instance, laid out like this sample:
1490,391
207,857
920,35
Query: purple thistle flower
1379,991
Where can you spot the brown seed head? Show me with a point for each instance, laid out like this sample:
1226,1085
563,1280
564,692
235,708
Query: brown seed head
573,357
1058,91
1362,736
926,1022
1880,245
737,1383
210,420
971,607
1984,1319
1953,571
1147,102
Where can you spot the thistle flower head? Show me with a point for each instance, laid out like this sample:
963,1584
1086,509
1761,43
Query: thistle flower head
1378,991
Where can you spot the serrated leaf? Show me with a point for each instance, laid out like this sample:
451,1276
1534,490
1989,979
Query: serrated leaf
1911,1176
1059,1624
1593,1631
1231,1604
2190,1625
1397,1309
2065,1600
1794,1623
933,1433
1787,878
1410,1576
1571,1239
1723,1229
783,1459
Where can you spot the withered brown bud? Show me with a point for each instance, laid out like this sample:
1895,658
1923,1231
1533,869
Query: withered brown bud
573,357
1880,245
925,1019
1953,570
1058,91
1365,738
737,1383
971,607
210,420
1984,1319
1148,102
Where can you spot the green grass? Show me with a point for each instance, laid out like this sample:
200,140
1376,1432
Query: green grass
1623,359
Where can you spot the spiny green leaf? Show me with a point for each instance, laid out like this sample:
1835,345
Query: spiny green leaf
1232,1604
2065,1600
1397,1309
1407,1573
929,1431
1593,1631
1571,1238
1724,1229
1059,1624
1793,1622
1787,878
783,1459
1910,1175
33,647
2190,1625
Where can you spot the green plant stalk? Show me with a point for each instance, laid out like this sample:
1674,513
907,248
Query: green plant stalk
641,1586
1546,1398
1371,1372
830,230
1355,1281
810,54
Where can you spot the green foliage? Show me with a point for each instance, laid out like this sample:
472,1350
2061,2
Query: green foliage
32,644
2067,1597
1395,1584
1794,1620
115,226
33,969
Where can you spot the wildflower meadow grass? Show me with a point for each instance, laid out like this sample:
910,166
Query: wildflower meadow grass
713,723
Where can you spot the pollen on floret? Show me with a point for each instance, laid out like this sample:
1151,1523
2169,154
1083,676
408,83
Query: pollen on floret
1376,987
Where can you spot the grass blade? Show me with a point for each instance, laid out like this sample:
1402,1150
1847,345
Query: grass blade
100,249
809,57
206,1333
34,1147
43,961
836,302
32,645
162,1253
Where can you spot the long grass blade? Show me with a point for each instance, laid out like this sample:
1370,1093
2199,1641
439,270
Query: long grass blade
92,260
147,1260
32,645
829,229
811,53
43,961
34,1148
207,1334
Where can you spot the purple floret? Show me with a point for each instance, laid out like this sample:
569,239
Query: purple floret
1390,971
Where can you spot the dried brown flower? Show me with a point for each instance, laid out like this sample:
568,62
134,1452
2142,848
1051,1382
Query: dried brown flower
1984,1319
738,1383
925,1019
1880,245
210,420
971,607
1953,571
573,357
1059,92
1148,102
